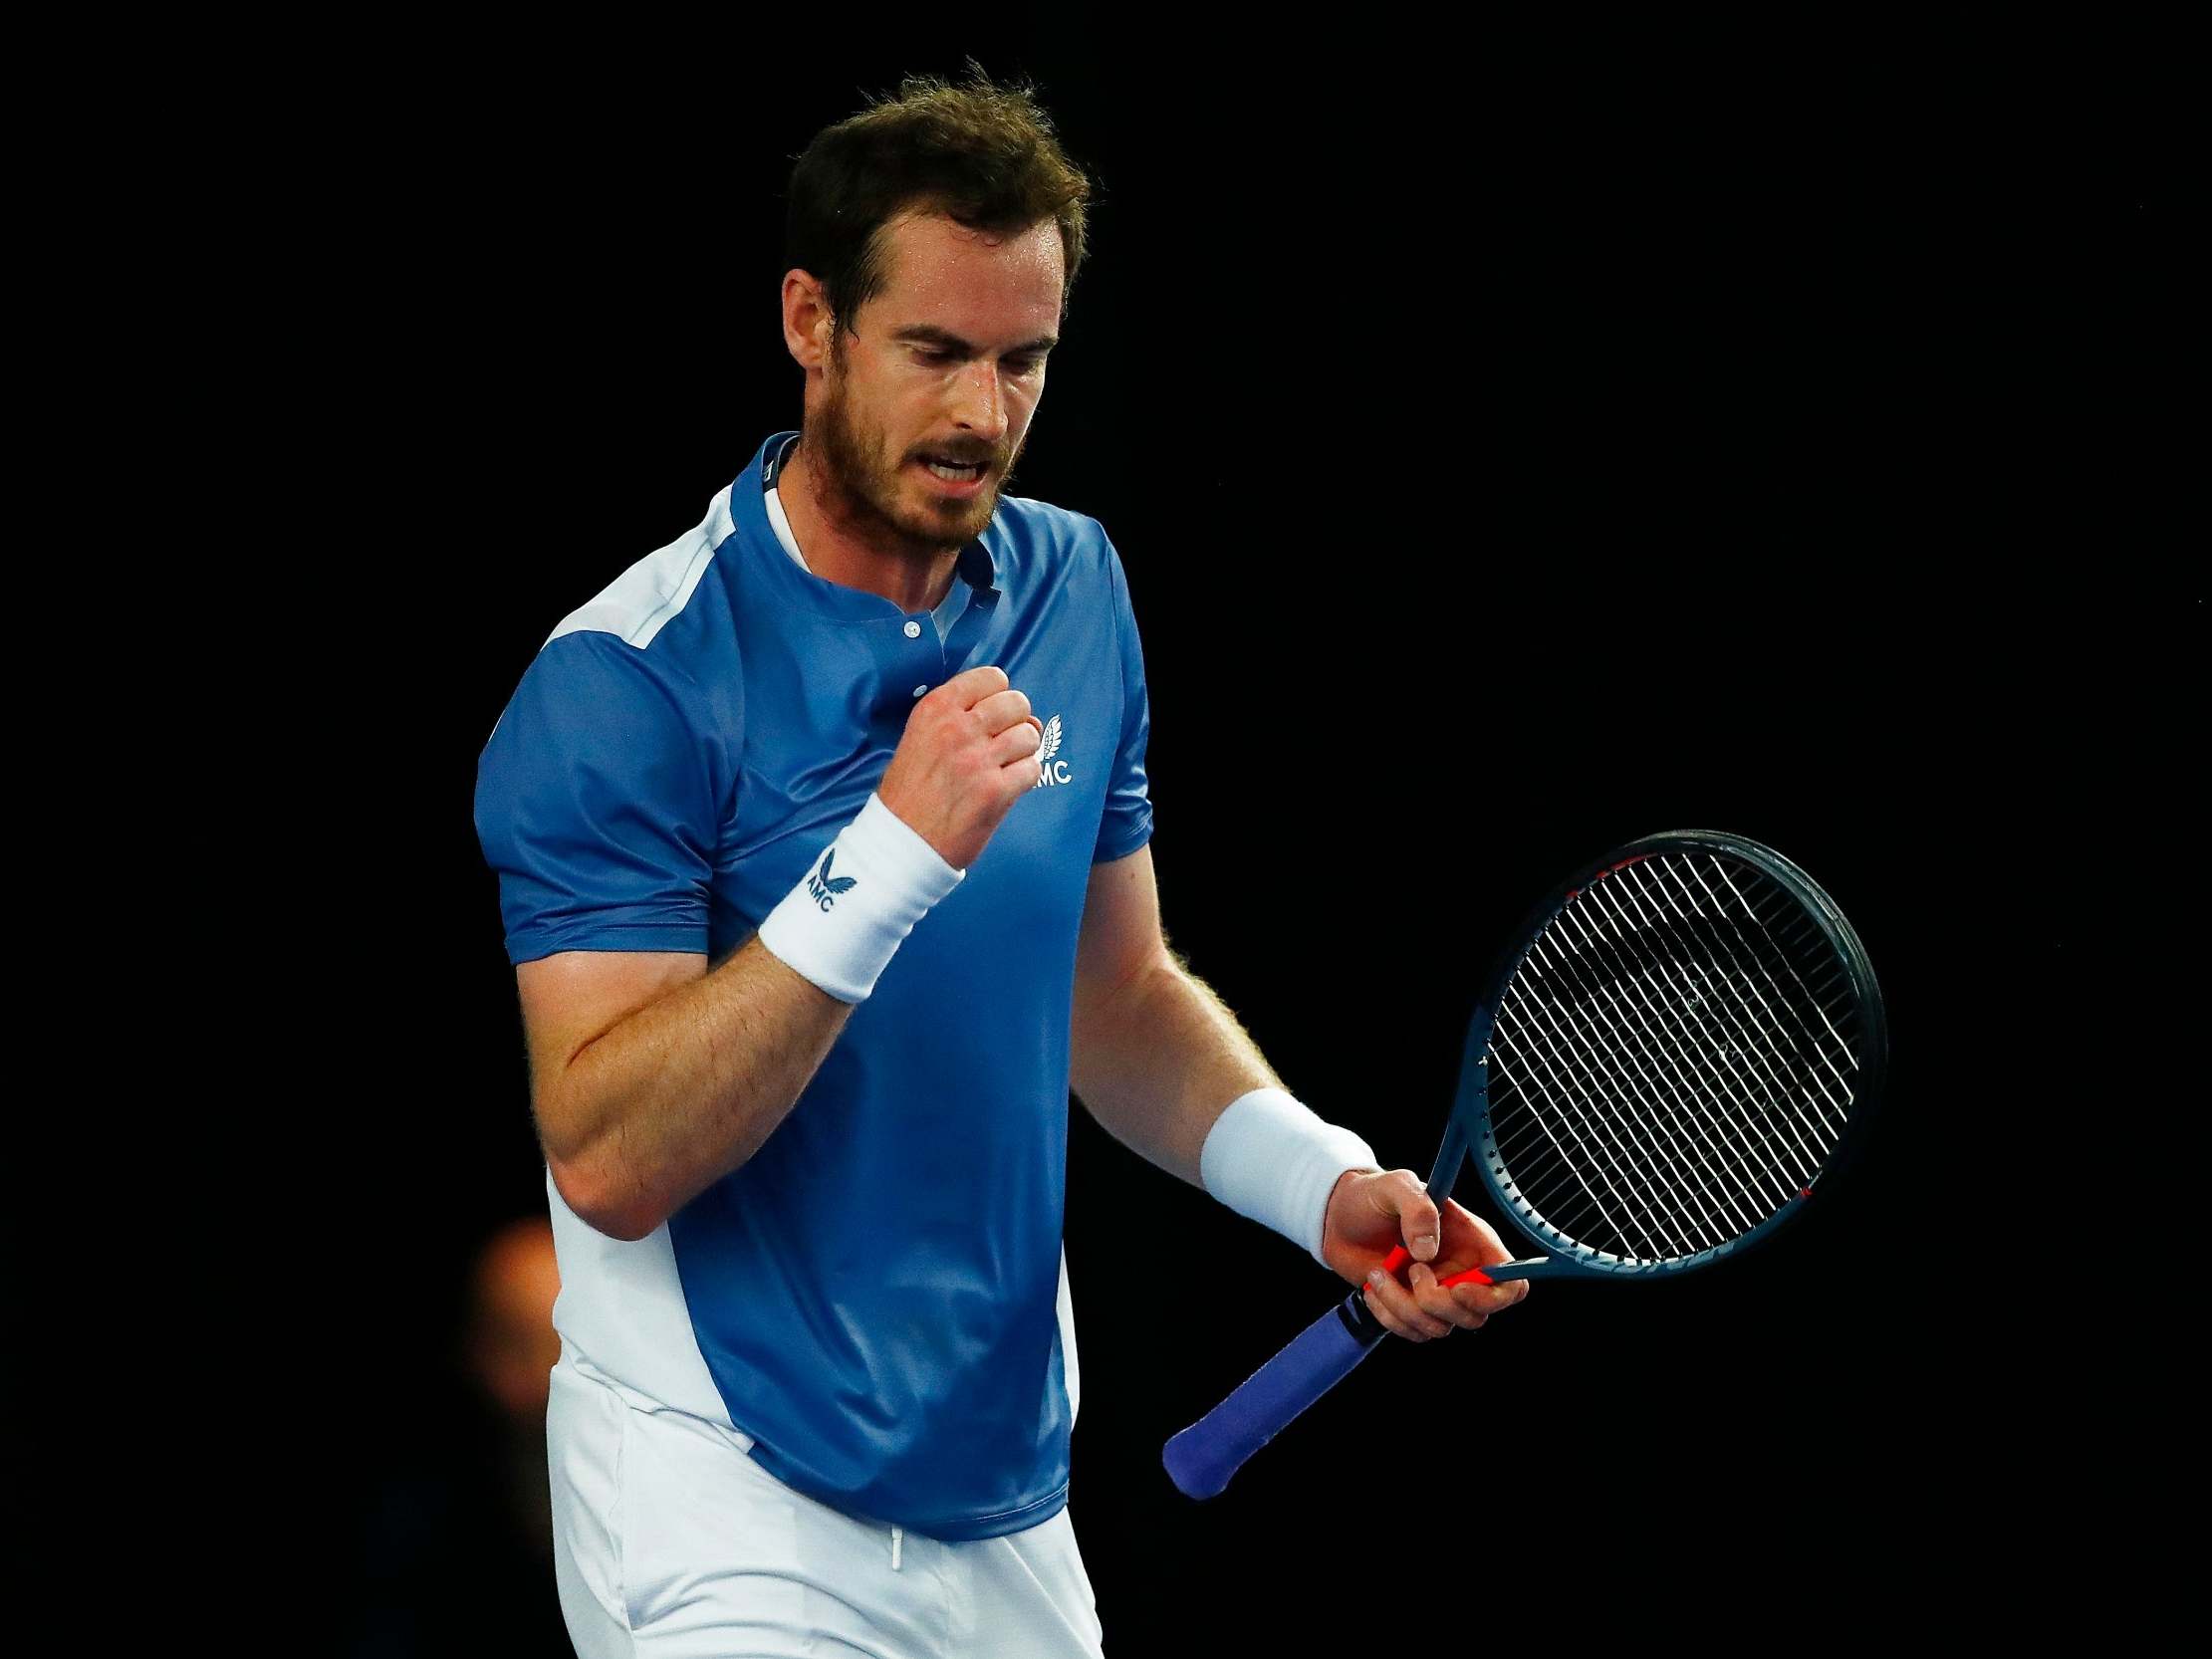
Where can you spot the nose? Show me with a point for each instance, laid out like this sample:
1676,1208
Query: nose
980,401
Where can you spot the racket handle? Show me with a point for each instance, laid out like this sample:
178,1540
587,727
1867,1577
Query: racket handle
1201,1459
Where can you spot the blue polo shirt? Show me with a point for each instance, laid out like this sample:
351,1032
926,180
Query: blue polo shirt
875,1303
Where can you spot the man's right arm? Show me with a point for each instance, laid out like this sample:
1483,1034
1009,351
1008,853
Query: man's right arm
651,1077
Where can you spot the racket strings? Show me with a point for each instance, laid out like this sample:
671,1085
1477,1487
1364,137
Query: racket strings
1743,1092
1672,1059
1712,1019
1688,1148
1632,1108
1673,1098
1670,1152
1744,1086
1667,1170
1591,1154
1583,1162
1765,966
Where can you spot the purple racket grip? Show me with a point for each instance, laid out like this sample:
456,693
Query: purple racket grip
1202,1458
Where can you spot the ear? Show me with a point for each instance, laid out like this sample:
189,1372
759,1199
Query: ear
808,321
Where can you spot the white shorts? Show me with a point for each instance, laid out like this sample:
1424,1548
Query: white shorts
670,1542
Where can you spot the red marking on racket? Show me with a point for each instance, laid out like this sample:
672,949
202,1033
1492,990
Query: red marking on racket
1400,1256
1573,894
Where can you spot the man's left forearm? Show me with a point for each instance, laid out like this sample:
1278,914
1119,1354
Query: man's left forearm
1156,1061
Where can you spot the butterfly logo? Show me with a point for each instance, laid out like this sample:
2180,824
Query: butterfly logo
823,887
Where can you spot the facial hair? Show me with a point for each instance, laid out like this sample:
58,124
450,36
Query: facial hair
863,494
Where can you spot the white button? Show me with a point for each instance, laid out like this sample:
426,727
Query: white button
920,689
914,631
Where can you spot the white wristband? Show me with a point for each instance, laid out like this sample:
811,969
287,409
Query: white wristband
862,898
1270,1158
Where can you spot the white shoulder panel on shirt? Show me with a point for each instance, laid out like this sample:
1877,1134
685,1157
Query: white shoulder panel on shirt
636,605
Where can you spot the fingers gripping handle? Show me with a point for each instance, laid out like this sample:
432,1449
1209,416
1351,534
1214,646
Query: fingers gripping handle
1498,1273
1201,1459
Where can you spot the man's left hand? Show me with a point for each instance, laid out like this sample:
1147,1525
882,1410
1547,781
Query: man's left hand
1371,1213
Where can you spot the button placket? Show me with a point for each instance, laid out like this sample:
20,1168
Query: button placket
925,659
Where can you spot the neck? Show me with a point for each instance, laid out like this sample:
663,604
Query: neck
854,549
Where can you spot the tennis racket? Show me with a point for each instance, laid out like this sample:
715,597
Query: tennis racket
1681,1043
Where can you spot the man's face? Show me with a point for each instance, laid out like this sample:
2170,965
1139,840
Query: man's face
945,364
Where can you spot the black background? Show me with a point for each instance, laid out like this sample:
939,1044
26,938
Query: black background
1515,446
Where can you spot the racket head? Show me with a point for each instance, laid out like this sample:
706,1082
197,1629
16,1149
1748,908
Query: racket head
1681,1043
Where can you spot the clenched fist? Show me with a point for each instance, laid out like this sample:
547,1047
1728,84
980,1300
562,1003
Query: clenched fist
968,754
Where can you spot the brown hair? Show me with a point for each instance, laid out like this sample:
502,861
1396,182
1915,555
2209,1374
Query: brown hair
984,155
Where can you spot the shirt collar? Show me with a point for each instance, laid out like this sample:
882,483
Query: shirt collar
978,566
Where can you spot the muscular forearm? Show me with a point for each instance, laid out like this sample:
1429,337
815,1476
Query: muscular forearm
1157,1061
660,1102
685,1091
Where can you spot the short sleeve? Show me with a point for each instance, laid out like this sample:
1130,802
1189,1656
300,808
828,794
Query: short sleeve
598,803
1127,823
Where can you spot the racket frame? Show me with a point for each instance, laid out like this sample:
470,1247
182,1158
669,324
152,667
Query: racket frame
1469,1134
1203,1458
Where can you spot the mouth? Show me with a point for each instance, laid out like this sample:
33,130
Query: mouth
954,478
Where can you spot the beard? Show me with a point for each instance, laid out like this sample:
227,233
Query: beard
866,489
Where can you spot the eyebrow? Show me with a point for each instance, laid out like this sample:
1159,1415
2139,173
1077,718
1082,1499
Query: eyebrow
928,333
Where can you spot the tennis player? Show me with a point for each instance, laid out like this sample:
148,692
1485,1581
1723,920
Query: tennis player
821,838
